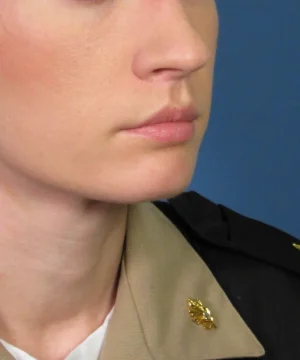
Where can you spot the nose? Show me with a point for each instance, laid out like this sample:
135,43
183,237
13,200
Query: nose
171,48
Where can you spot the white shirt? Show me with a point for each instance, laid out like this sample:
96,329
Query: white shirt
89,349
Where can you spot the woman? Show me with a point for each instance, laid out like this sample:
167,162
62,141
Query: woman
103,106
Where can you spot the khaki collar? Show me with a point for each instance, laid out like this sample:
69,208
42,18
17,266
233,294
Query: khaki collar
159,272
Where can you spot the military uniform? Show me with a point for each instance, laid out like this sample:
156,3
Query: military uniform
257,265
242,275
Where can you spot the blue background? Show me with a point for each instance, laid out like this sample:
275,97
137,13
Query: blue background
249,159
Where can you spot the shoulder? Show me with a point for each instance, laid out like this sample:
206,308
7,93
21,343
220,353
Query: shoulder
256,264
204,221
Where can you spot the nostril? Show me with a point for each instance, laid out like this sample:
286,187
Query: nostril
157,71
167,73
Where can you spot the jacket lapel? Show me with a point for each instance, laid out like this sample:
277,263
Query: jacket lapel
4,354
160,271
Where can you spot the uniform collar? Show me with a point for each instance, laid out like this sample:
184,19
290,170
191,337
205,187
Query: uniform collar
159,272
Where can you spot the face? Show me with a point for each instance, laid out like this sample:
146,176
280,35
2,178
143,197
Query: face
75,73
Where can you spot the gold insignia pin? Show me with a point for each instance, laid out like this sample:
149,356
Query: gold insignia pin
297,246
200,314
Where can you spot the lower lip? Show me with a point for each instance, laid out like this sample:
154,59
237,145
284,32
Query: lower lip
168,132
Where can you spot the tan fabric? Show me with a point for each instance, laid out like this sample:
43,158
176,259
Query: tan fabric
160,271
4,354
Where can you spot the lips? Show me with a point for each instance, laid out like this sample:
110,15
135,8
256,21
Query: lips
170,114
168,126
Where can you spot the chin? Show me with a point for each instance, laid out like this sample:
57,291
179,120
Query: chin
129,188
143,187
165,190
156,182
154,176
133,194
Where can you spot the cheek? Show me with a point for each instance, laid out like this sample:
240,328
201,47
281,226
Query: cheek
31,121
28,73
59,68
26,63
52,92
32,45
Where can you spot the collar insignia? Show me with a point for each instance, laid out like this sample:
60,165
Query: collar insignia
297,246
200,314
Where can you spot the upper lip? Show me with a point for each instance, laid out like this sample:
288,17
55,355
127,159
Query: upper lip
171,114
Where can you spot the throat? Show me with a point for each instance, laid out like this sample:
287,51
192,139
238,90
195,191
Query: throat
80,341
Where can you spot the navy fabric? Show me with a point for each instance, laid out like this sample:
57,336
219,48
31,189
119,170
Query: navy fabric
256,264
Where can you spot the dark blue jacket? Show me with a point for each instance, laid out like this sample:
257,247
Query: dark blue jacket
257,265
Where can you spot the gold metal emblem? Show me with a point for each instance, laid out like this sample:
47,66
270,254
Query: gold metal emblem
297,246
200,315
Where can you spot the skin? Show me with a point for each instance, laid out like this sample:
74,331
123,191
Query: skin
73,74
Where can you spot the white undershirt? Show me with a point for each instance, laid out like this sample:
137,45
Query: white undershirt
89,349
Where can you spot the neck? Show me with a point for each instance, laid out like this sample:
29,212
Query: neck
59,262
